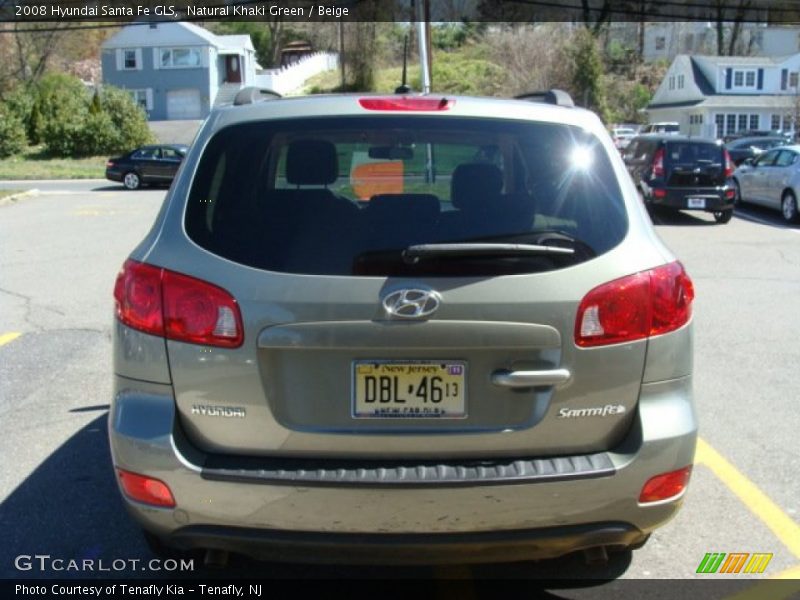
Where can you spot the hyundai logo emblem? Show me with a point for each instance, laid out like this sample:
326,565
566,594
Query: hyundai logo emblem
411,304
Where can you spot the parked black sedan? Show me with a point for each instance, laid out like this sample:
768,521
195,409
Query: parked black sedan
148,164
749,147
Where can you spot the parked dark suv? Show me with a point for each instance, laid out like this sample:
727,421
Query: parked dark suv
682,173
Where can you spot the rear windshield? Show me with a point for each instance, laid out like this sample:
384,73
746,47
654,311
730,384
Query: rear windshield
694,153
351,195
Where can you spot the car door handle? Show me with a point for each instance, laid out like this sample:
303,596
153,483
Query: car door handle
524,379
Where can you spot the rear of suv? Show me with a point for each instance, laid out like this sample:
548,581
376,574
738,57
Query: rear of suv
413,329
683,173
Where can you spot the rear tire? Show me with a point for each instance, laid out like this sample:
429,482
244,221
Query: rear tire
131,181
723,216
789,207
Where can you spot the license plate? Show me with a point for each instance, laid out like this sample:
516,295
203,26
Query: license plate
409,389
696,202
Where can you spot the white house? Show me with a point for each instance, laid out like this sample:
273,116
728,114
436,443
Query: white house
714,96
665,40
178,70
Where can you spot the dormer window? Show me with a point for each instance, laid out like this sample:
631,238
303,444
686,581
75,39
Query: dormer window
744,78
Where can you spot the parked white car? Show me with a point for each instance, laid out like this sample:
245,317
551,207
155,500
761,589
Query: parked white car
622,136
772,180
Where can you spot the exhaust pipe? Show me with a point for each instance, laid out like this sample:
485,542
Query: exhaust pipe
596,557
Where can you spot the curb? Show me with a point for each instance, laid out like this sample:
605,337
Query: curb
15,197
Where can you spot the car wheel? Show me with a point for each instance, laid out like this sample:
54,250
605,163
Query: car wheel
723,216
789,207
131,181
737,193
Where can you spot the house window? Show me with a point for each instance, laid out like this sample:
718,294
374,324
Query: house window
142,98
129,59
793,79
742,122
775,123
680,82
754,122
784,78
179,58
730,124
787,122
719,122
672,82
661,42
744,79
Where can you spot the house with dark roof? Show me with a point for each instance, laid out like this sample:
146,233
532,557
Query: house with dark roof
178,70
715,96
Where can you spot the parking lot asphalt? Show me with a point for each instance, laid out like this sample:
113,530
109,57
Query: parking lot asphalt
59,256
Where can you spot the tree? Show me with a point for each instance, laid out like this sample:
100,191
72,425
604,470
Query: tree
12,133
588,79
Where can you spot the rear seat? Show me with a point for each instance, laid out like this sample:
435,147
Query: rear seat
393,221
482,209
304,225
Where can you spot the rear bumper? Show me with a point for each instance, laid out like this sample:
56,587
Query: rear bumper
114,174
407,549
714,199
428,521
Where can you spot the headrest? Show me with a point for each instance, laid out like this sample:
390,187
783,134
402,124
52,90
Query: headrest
475,185
311,162
423,207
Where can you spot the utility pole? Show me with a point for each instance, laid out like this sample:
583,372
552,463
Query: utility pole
341,54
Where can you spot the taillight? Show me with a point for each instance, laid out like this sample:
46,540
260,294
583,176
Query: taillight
658,163
200,313
635,307
665,486
137,293
110,163
176,306
659,193
406,103
145,489
729,166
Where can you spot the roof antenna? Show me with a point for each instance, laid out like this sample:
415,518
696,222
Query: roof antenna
403,88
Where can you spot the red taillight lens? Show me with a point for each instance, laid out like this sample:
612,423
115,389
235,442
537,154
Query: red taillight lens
145,489
665,486
659,193
137,293
182,308
658,163
635,307
406,103
201,313
729,166
110,163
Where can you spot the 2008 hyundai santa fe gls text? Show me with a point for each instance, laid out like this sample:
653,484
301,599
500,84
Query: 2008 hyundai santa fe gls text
409,329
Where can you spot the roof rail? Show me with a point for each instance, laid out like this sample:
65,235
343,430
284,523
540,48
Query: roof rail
251,95
554,96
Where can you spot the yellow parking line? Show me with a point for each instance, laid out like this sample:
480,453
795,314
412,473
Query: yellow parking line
9,337
783,526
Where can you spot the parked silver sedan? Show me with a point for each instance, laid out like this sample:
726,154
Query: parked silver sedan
771,180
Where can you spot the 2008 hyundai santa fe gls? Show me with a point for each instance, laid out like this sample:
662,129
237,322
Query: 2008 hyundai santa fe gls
409,329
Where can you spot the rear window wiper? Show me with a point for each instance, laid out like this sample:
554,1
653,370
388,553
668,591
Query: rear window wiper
414,254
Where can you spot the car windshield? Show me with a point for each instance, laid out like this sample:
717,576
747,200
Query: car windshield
350,195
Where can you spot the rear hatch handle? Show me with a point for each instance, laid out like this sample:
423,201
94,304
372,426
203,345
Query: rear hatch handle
526,379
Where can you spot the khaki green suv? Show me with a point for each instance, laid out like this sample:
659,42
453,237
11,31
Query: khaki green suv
405,329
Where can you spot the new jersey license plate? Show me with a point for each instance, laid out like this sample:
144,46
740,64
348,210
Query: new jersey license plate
409,389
